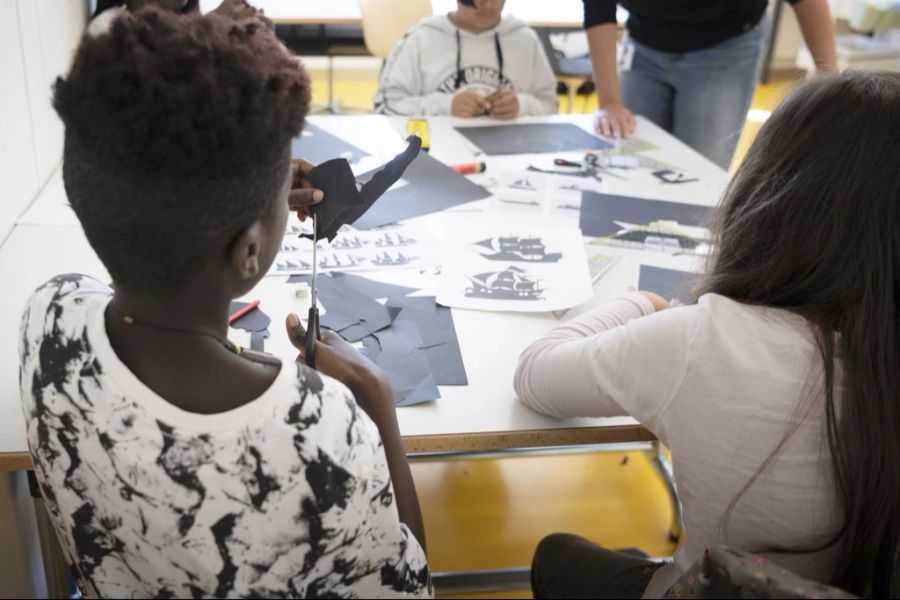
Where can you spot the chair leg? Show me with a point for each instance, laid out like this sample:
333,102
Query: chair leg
571,89
56,569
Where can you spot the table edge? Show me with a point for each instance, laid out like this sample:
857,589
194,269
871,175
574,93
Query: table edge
486,441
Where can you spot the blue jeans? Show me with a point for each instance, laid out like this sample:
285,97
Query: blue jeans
701,97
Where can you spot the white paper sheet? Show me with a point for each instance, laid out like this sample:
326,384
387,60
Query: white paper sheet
504,264
530,192
400,247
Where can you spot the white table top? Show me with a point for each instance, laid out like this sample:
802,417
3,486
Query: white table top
562,13
483,415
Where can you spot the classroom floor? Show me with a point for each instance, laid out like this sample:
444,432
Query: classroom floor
489,513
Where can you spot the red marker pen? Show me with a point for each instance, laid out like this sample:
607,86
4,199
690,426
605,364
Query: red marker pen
243,311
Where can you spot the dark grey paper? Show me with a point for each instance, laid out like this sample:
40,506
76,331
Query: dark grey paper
438,334
406,366
431,186
348,312
532,138
668,283
363,285
319,145
599,213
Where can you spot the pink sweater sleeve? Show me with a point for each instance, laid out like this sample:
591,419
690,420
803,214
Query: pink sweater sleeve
619,359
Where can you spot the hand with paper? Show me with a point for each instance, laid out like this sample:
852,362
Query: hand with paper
337,358
347,199
302,195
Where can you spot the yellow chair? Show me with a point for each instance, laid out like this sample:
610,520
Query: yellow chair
384,22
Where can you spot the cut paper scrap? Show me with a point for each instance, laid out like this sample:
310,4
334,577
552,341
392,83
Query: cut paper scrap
348,312
431,187
438,334
532,138
401,247
316,145
435,334
256,322
345,200
668,283
537,269
643,223
398,352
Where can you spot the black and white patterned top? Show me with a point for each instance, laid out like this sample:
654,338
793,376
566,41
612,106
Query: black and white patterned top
286,496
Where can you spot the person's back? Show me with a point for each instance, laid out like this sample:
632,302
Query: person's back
777,391
174,463
467,63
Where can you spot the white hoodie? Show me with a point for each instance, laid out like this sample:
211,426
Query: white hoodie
420,75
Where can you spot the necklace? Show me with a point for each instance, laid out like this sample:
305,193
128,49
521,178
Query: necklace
252,355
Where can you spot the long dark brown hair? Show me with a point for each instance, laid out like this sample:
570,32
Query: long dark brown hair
811,224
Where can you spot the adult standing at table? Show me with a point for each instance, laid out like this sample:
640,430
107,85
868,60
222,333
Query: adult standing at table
690,66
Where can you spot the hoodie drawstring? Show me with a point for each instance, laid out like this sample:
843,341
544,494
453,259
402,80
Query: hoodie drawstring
460,75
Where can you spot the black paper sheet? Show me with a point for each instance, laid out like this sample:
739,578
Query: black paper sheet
532,138
317,145
397,351
668,283
431,186
438,334
599,213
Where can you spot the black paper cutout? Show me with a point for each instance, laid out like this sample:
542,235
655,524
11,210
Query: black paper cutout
670,176
532,138
346,201
436,337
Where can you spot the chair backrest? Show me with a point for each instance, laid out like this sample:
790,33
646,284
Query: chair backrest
386,21
726,573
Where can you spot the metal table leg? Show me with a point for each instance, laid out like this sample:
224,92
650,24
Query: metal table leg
657,456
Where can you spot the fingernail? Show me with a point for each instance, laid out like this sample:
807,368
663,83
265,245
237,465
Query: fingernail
293,321
318,195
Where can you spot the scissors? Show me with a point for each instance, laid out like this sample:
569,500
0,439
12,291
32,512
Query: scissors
312,323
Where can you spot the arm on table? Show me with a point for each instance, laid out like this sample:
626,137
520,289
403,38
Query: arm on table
609,362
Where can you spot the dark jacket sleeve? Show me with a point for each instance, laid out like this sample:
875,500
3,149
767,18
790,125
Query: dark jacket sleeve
598,12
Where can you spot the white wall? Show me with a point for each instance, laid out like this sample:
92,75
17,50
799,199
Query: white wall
37,38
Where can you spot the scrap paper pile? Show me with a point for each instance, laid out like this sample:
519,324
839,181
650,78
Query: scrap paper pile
409,337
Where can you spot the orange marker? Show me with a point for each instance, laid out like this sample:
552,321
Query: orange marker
470,168
242,311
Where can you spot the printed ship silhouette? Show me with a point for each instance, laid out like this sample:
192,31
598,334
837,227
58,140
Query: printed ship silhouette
347,243
387,260
512,283
398,239
518,249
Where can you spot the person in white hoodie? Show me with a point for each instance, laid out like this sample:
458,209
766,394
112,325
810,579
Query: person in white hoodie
467,63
